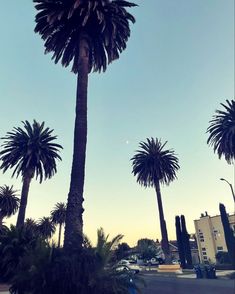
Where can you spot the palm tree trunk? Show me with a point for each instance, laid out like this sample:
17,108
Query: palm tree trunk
73,236
59,238
164,242
23,200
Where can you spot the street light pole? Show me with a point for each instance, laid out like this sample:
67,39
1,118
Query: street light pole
231,187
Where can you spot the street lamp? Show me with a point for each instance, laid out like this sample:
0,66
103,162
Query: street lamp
230,187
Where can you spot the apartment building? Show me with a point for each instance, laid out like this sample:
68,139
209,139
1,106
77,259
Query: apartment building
210,236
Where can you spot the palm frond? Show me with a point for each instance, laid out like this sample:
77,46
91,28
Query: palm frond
30,149
104,24
152,163
222,131
9,202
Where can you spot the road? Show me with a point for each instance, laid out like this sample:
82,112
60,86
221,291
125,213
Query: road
172,285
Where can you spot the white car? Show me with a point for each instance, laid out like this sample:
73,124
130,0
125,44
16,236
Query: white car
124,262
174,261
126,265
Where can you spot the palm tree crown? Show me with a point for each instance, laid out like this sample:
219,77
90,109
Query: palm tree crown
45,227
30,149
9,202
103,23
58,214
222,131
153,164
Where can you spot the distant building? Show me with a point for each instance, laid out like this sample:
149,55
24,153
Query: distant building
175,252
210,236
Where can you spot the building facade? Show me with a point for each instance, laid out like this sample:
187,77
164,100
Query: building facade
210,236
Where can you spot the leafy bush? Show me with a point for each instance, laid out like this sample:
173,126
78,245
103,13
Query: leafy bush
147,248
222,257
15,245
31,266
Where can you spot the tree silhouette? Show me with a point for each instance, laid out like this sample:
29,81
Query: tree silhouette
31,151
153,165
89,35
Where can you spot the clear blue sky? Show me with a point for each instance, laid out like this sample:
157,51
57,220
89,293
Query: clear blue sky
177,68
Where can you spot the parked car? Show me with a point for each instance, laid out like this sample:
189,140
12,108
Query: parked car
125,265
154,261
174,261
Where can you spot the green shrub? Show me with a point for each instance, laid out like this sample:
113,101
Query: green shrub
31,266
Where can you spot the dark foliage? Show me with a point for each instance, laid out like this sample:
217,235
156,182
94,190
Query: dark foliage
29,265
46,227
15,244
222,257
147,248
58,217
222,131
30,148
180,241
152,163
104,24
122,251
58,214
228,234
9,202
186,243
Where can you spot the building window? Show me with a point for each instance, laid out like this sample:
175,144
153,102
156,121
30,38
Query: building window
201,240
220,248
205,257
203,253
203,249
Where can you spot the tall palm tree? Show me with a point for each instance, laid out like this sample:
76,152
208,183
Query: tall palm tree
9,202
31,151
58,216
153,165
89,34
46,227
222,131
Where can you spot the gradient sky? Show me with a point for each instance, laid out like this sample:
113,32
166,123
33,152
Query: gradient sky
177,69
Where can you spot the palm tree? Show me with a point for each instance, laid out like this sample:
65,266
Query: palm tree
31,151
222,131
9,202
105,248
31,225
153,165
58,216
89,34
46,227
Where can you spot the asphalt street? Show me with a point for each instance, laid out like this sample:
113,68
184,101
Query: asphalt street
170,285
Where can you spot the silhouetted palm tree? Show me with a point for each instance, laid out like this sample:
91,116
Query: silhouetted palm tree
222,131
46,227
9,202
153,165
31,151
58,216
89,34
31,225
105,248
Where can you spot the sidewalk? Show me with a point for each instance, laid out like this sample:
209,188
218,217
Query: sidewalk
188,274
